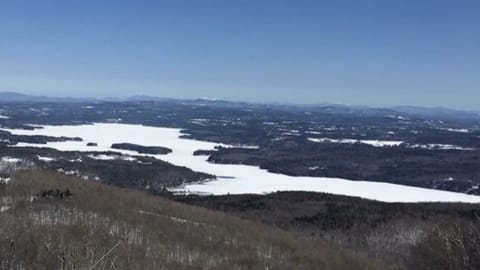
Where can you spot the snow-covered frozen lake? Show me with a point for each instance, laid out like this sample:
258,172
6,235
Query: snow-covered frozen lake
232,179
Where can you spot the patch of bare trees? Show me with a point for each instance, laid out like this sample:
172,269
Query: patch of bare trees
452,245
103,227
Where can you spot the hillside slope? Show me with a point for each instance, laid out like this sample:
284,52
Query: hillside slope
399,233
52,221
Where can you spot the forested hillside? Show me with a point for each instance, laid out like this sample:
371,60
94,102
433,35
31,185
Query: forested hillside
52,221
410,236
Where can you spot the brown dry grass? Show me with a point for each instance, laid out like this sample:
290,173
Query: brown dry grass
104,227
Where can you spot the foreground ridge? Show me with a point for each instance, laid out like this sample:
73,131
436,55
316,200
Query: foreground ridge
53,221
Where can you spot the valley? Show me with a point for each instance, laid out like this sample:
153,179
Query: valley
370,190
230,178
311,143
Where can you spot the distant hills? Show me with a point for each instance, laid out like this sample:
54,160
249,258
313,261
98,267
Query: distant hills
11,97
439,112
427,112
17,97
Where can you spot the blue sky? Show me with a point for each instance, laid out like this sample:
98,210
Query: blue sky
379,53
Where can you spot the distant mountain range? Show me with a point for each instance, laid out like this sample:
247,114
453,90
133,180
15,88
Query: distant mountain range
11,97
428,112
435,112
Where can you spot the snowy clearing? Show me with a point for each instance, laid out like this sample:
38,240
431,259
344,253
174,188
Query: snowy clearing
112,157
458,130
242,146
10,160
379,143
5,179
45,159
376,143
436,146
236,179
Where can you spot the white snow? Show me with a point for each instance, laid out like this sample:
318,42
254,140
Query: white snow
399,117
102,157
313,132
290,134
437,146
233,179
380,143
376,143
4,117
472,188
321,140
199,121
242,146
333,128
61,170
45,159
112,157
459,130
10,160
5,179
128,158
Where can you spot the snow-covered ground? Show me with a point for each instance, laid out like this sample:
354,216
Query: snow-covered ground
45,159
459,130
437,146
376,143
232,179
4,179
112,157
10,159
380,143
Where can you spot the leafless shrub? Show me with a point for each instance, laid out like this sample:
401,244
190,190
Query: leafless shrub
452,245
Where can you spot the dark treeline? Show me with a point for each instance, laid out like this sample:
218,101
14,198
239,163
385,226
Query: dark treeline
407,236
154,150
138,172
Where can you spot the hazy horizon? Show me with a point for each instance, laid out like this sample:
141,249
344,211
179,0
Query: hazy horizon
125,98
372,53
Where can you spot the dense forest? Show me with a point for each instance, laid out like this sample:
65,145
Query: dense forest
453,170
406,236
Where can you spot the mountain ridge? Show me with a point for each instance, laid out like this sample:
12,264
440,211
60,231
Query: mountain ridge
423,111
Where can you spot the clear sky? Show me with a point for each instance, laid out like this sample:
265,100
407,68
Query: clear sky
381,53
